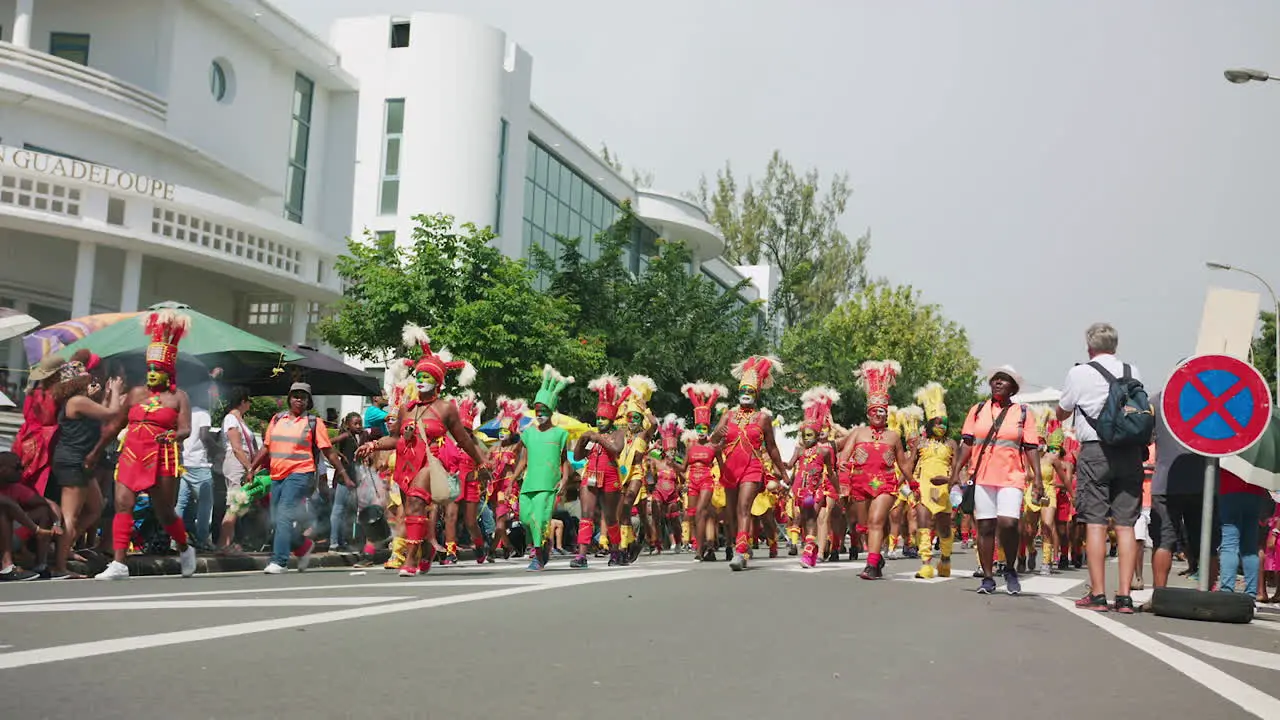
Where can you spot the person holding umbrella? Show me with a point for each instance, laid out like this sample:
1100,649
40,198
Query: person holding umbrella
159,421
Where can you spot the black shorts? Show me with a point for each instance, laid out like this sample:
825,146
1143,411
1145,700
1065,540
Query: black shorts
1175,517
65,475
1108,484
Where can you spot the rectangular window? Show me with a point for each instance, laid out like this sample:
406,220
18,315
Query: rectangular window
502,180
295,183
73,47
400,34
386,235
392,139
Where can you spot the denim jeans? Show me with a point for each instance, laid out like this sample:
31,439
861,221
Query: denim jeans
1239,514
195,503
338,511
290,514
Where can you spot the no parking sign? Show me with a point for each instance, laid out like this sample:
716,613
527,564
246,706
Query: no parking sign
1216,405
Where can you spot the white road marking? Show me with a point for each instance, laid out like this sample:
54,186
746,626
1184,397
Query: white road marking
339,601
1037,585
75,651
1247,697
1257,658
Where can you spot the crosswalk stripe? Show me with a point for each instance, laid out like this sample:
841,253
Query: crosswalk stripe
1245,656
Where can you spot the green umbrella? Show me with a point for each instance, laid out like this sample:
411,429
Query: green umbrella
241,355
1260,464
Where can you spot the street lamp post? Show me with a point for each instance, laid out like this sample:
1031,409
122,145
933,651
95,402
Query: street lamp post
1240,76
1275,306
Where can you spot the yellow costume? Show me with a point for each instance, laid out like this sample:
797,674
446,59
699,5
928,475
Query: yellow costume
632,461
1046,470
934,461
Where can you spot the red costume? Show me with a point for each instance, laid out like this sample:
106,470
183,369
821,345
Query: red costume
35,439
469,410
871,465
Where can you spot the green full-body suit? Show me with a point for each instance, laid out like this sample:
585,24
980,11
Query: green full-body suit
544,461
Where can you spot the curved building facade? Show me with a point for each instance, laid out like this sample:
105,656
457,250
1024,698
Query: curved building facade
190,150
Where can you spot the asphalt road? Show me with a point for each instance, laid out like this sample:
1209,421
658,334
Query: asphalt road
664,638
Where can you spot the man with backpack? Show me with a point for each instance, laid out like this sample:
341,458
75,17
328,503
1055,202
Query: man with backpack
1114,423
291,448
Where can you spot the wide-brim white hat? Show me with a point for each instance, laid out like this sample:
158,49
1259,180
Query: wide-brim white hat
1006,370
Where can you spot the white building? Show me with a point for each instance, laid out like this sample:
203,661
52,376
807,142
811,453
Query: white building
190,150
447,125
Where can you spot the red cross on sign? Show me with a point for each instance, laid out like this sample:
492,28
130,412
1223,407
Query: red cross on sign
1216,405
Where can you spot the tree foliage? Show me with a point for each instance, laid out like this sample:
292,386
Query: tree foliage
468,296
786,221
663,322
882,322
639,178
1264,348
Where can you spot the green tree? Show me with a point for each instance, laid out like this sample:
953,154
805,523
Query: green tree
639,178
785,220
469,297
1264,348
663,323
879,323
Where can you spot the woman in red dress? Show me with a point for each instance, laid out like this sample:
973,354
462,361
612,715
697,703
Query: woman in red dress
666,492
469,409
813,469
150,460
699,459
35,439
425,422
506,463
746,436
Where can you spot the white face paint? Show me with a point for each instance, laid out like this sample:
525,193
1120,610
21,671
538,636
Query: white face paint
426,387
747,399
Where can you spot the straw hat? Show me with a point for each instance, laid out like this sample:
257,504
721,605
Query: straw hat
46,368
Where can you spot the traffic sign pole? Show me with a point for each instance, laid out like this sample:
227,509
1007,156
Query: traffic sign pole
1206,521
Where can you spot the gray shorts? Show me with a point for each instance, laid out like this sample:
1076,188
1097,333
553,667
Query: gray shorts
1108,484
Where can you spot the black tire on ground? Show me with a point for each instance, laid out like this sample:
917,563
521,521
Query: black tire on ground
1189,604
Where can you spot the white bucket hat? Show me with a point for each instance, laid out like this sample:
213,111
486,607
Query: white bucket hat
1007,370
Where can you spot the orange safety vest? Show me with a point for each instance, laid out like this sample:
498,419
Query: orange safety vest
292,448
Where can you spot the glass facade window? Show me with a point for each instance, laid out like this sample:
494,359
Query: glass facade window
295,184
400,34
560,201
502,176
73,47
392,139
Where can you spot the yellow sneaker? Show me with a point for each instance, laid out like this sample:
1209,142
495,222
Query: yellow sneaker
926,572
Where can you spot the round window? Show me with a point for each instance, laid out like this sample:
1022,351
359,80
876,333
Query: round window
218,81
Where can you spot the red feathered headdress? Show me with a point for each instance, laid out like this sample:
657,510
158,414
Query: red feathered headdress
436,364
703,395
469,409
166,328
610,394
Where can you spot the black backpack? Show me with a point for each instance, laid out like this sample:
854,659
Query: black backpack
1126,419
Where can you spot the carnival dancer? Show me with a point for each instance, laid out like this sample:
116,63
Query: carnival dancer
933,472
421,447
547,470
35,439
401,388
699,461
875,453
906,422
666,493
1007,444
632,461
813,469
469,409
746,436
159,420
507,464
1042,517
601,480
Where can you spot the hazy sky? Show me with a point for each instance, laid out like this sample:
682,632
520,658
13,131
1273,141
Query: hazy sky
1032,167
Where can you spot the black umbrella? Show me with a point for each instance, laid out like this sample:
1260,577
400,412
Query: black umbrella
326,374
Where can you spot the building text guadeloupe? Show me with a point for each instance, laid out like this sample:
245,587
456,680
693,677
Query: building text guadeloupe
107,177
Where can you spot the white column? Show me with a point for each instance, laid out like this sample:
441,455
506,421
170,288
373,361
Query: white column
131,287
82,292
298,331
22,23
17,356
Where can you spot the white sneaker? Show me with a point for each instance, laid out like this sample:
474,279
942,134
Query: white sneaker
274,569
115,571
895,554
187,561
304,560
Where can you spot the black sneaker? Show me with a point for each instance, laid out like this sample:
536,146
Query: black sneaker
1096,603
987,587
1063,561
17,574
1123,605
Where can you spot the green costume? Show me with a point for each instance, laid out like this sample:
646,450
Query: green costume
544,459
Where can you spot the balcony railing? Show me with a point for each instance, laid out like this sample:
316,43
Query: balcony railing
49,66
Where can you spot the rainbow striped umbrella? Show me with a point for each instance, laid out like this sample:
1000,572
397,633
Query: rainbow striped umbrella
51,339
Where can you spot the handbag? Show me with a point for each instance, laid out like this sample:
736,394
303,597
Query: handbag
970,488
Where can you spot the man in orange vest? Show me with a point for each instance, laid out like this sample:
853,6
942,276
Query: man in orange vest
290,450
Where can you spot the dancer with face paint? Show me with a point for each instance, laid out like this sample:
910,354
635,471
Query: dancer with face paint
469,409
547,470
699,462
159,420
813,470
746,433
601,480
933,465
1040,510
874,454
507,463
667,481
632,461
424,422
906,422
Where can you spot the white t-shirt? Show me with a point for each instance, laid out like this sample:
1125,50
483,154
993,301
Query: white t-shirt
194,454
1086,390
231,422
